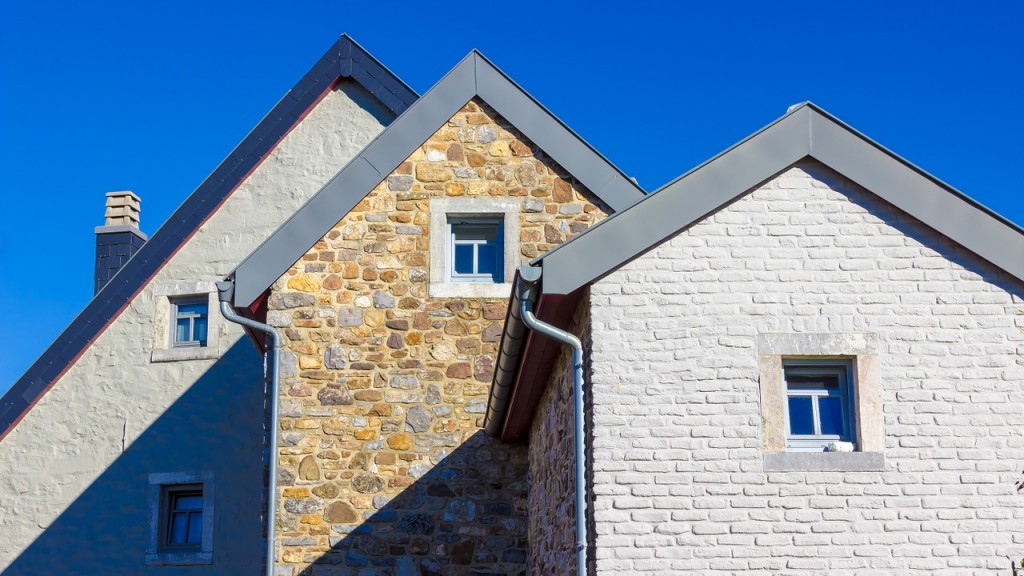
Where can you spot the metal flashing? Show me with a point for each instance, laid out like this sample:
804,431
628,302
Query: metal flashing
804,131
473,76
345,59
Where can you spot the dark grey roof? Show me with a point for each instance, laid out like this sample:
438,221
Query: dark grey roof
805,131
474,76
345,60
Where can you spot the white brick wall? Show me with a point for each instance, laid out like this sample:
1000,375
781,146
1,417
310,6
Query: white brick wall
679,480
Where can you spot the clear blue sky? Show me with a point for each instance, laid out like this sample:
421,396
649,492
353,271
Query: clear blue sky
101,96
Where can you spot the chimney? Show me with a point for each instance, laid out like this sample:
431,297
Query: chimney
119,238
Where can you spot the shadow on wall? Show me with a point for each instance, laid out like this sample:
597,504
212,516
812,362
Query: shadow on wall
466,516
215,426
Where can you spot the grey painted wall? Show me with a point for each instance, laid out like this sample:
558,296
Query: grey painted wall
74,470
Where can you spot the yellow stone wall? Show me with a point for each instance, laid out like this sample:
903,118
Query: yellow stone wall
383,460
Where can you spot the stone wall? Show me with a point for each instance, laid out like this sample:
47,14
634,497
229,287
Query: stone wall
383,461
115,416
680,479
552,500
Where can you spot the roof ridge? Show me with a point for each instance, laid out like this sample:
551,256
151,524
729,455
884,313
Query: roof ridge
105,305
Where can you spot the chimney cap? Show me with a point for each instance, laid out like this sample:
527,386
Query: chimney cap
123,209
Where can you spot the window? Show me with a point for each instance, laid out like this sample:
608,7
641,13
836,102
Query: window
181,519
186,325
475,249
819,405
184,527
190,322
818,389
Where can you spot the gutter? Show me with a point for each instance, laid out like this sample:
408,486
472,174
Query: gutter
526,294
225,293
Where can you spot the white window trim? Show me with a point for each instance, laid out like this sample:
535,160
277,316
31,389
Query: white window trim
441,284
163,323
818,442
862,352
155,554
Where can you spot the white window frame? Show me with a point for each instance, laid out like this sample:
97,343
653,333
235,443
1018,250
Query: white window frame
842,370
165,297
161,485
176,303
485,222
442,283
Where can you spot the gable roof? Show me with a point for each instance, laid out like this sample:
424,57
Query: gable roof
344,60
805,131
474,76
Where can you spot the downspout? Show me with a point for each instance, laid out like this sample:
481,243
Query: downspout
528,291
226,292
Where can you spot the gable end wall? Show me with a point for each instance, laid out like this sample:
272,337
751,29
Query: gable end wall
679,475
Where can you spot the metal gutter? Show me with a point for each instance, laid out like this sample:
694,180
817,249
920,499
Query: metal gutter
513,340
529,289
225,291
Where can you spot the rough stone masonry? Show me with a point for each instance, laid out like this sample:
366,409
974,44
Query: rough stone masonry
383,462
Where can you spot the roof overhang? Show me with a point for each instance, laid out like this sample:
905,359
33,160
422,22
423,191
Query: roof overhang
805,131
473,77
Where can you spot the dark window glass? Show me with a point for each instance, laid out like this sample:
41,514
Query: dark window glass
830,408
184,518
801,416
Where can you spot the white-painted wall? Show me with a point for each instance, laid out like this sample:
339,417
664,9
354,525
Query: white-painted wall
679,477
66,481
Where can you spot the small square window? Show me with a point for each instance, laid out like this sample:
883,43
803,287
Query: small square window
183,529
181,519
191,321
476,249
819,404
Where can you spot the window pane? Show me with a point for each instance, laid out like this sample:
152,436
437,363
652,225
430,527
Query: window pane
801,417
195,527
199,326
464,259
181,331
191,309
475,232
188,503
178,530
488,260
830,408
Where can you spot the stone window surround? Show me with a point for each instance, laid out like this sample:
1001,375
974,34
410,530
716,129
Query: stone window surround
440,285
862,351
162,322
155,555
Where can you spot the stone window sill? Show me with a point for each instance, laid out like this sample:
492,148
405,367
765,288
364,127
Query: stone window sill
824,462
470,290
176,354
179,558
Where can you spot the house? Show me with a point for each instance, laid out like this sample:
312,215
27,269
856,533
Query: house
119,405
801,357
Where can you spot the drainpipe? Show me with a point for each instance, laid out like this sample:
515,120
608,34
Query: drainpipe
225,292
528,290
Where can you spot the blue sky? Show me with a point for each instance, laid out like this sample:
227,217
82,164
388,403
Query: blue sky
150,97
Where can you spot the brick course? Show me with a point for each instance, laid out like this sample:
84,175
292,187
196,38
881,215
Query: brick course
679,480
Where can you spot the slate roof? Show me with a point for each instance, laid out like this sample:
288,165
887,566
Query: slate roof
344,60
474,76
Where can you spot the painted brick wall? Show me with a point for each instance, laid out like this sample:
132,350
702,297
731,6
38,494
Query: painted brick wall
679,481
384,464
